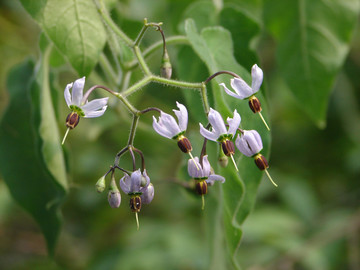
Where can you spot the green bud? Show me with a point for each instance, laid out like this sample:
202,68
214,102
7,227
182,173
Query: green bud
166,68
100,184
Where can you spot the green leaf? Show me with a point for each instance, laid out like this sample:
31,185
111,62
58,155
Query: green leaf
313,40
74,26
31,160
214,46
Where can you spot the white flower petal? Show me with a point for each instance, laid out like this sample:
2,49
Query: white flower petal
235,95
215,177
125,183
241,87
170,123
212,136
233,123
94,105
206,166
182,116
93,114
67,94
160,129
135,181
148,194
77,91
257,78
194,171
217,122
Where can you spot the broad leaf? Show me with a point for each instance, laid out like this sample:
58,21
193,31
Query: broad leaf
31,161
313,40
74,26
214,47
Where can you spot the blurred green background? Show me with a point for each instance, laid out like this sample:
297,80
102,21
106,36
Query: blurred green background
312,221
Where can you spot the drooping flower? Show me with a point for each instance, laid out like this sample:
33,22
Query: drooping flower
219,133
167,127
80,107
202,175
250,144
139,188
243,91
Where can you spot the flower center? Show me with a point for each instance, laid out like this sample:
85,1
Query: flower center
77,109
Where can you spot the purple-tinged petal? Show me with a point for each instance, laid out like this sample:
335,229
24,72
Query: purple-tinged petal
233,123
206,166
243,147
160,129
217,122
249,143
195,172
182,116
147,179
95,105
125,183
215,177
235,95
148,194
77,91
257,78
212,136
114,198
170,123
135,181
241,87
67,94
93,114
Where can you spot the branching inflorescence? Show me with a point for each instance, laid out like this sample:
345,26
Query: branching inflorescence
135,181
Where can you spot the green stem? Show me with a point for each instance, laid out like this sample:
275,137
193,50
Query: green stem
141,61
205,99
128,105
141,34
113,26
137,86
176,83
133,129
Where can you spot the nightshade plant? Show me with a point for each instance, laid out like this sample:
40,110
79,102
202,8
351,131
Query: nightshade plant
199,56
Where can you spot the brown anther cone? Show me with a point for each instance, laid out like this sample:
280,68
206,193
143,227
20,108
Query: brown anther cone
184,144
261,162
228,147
201,187
135,204
254,104
72,120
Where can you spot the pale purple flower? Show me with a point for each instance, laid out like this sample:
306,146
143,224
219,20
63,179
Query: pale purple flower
249,143
148,194
94,108
241,88
114,198
219,132
167,125
203,171
136,183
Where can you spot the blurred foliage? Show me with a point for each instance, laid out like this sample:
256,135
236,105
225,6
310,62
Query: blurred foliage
312,221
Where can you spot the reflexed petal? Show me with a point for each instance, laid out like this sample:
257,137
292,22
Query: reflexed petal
215,177
242,88
160,129
125,183
170,123
206,166
212,136
233,123
257,78
193,170
67,94
93,114
244,147
254,140
235,95
217,122
77,91
94,105
135,181
144,174
182,116
148,194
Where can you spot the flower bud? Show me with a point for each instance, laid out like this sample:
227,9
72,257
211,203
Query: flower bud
228,147
166,69
254,104
261,162
223,161
201,187
72,120
114,198
100,184
184,144
135,203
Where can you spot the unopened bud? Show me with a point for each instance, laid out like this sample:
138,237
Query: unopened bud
184,144
254,104
135,203
100,184
223,161
166,68
228,147
114,198
261,162
72,120
201,187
